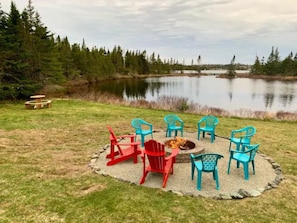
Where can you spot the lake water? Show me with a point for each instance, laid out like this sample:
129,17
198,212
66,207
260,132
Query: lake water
228,94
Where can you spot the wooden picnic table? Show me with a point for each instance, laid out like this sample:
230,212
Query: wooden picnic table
37,102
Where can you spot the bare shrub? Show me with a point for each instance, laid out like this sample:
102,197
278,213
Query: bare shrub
180,104
281,115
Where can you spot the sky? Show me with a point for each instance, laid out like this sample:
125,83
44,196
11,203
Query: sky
178,29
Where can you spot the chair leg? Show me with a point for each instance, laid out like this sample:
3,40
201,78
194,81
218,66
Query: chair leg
253,164
143,177
192,170
182,133
229,163
212,137
246,171
199,179
142,140
198,136
216,175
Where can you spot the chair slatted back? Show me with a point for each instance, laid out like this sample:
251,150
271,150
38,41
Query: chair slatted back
249,132
170,120
211,121
155,153
137,124
113,139
209,161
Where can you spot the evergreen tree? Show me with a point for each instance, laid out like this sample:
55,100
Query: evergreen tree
199,64
231,68
273,63
257,68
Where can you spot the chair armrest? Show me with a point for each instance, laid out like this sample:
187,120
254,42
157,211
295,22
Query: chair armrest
174,153
181,123
128,144
241,151
126,136
233,132
200,122
196,157
146,123
150,125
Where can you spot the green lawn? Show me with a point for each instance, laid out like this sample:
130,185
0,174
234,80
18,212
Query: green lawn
44,173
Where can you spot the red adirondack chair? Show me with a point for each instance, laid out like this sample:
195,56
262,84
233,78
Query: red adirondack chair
154,152
122,151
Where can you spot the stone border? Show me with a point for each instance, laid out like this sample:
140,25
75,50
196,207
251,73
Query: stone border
240,194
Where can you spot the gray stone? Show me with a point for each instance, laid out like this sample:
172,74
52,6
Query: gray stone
254,193
275,165
261,189
95,156
272,184
106,146
244,193
236,195
178,193
225,197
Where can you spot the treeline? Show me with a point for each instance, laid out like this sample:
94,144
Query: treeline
31,57
275,66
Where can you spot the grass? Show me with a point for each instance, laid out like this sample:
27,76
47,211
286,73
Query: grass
44,173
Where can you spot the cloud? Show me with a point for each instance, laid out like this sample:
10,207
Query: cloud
214,29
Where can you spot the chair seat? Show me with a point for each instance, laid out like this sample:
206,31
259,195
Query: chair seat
206,129
175,127
146,132
241,157
238,140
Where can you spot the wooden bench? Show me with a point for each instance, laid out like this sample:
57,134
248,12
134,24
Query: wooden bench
36,105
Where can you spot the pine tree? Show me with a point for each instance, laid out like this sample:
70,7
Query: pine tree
231,68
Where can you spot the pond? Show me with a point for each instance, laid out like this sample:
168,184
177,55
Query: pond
228,94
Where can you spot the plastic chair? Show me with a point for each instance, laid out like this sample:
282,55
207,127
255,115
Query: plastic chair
242,136
207,124
245,156
174,123
142,128
122,151
205,163
154,152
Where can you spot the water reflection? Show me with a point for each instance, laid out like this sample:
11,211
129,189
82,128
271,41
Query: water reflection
230,89
227,94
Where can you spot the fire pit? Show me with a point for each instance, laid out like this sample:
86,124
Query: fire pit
180,143
185,146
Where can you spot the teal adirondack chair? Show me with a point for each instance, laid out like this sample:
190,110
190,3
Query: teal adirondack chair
205,163
175,124
245,156
142,128
207,124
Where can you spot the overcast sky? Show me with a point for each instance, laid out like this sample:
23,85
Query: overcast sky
178,29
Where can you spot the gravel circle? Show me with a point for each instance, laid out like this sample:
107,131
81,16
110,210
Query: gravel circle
232,185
